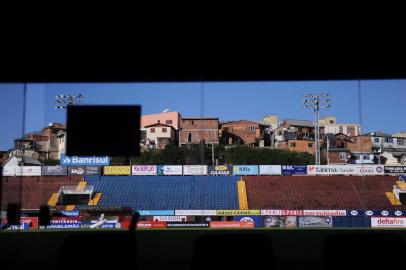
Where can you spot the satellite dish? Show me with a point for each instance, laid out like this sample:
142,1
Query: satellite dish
166,110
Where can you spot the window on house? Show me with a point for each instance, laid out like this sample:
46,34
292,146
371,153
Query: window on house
280,133
342,156
168,122
189,137
310,145
225,129
193,122
401,142
292,144
331,121
376,140
252,128
152,130
164,130
159,121
389,140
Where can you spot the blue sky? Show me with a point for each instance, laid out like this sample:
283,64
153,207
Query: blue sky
382,102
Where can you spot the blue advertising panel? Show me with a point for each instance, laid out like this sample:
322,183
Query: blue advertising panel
156,212
256,219
293,169
73,213
245,170
84,161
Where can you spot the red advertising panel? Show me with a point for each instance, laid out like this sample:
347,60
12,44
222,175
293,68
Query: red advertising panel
31,221
151,224
231,224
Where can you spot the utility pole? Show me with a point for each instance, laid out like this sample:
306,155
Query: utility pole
317,102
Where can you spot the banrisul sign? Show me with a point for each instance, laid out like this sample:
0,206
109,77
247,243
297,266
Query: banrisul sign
220,170
84,161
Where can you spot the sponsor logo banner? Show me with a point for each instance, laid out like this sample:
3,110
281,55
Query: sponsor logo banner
186,225
220,170
54,170
315,222
169,170
84,170
25,223
388,222
345,169
117,170
70,213
156,212
195,212
84,161
279,221
254,219
194,169
64,226
276,212
144,170
151,224
395,169
325,212
231,224
66,220
28,171
293,169
270,169
245,170
9,171
170,218
238,212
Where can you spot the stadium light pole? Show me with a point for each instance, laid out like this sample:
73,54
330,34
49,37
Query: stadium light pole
317,102
62,101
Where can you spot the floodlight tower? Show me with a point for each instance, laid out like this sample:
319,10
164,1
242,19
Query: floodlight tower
62,101
317,102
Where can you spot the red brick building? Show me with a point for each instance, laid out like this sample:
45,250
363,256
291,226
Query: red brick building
197,129
337,151
241,132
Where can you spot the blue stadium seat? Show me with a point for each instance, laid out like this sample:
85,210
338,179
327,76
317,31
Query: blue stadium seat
167,192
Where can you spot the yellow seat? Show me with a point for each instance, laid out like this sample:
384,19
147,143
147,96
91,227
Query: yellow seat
81,186
70,207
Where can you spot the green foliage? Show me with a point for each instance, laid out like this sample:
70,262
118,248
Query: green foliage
51,162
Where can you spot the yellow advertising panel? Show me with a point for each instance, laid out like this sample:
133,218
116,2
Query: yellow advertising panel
238,212
117,170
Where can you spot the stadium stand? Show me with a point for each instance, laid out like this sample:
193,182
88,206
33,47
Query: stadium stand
33,191
319,192
169,192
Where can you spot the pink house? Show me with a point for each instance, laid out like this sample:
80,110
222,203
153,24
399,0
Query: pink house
166,118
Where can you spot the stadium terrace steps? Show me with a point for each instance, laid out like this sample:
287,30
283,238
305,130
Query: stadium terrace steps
242,195
53,200
319,192
167,192
70,207
401,185
392,198
81,186
96,198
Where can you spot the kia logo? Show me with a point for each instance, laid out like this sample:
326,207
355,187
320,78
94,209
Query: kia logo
385,213
398,213
354,212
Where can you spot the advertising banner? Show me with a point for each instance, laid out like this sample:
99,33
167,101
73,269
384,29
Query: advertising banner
54,170
169,170
156,212
56,220
84,161
151,224
388,222
231,224
26,223
220,170
254,219
395,169
324,212
28,171
92,170
195,212
245,170
194,169
64,226
186,225
270,169
68,213
144,170
293,170
117,170
345,170
170,218
238,212
276,212
9,171
279,221
315,222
